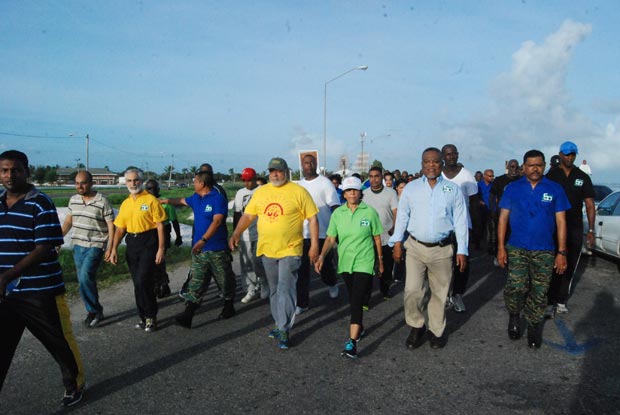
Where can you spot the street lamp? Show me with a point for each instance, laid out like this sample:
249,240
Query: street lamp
87,142
363,68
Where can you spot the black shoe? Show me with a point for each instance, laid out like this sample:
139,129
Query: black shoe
228,311
89,319
164,291
416,337
436,342
514,330
73,397
534,335
185,318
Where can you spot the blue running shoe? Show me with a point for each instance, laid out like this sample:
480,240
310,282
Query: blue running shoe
274,334
350,349
284,342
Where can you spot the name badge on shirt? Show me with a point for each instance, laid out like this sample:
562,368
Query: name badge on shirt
144,208
578,182
546,197
208,208
364,222
447,189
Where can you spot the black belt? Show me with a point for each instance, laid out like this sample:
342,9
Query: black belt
446,241
135,235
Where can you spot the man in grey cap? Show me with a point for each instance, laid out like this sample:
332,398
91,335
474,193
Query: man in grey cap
281,208
579,190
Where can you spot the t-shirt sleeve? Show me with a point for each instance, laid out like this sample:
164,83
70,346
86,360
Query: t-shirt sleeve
47,230
221,207
332,228
159,214
108,211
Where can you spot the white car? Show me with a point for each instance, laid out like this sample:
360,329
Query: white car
607,226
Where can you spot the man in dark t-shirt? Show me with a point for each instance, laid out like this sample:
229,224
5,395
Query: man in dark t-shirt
579,189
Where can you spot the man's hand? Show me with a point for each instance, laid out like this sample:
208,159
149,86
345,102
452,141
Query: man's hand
233,242
590,240
159,257
178,241
111,257
313,253
461,262
502,257
397,252
197,248
559,264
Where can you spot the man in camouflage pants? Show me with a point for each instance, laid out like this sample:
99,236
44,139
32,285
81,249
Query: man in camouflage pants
210,253
535,206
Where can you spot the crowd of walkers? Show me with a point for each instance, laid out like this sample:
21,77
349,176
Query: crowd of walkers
395,227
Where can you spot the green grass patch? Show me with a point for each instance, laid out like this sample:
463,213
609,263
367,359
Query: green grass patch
109,274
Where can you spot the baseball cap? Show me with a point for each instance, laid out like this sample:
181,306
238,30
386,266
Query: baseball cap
568,147
277,163
248,174
351,183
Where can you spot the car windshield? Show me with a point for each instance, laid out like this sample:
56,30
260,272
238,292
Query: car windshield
601,192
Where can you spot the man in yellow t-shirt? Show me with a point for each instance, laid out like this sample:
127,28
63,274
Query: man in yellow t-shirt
142,217
281,208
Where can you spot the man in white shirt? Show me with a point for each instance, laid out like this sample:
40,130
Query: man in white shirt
326,199
458,174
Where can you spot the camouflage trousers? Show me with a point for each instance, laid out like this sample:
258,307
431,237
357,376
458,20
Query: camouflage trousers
528,282
207,265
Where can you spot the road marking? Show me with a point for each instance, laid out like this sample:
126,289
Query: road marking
570,345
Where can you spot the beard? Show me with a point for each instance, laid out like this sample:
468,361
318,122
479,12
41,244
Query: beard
278,183
134,190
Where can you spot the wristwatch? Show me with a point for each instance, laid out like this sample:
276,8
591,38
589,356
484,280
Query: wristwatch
590,230
563,253
203,239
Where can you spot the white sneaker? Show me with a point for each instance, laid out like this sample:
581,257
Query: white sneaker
249,297
333,291
301,310
449,302
459,306
561,309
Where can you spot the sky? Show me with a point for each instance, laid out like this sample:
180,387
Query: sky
155,83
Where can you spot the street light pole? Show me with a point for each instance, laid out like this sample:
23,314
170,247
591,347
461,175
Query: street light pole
363,68
87,142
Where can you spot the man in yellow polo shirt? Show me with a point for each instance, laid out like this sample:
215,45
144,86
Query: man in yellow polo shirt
142,218
281,208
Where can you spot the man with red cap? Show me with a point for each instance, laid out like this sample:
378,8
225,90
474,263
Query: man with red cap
252,272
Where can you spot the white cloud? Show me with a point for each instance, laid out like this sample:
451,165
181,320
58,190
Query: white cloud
530,107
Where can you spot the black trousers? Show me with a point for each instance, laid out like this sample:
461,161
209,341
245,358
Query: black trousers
306,271
141,253
386,278
459,279
357,284
559,289
47,318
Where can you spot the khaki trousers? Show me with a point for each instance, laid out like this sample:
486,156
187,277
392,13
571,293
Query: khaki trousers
435,264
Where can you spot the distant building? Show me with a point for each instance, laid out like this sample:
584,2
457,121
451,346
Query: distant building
100,176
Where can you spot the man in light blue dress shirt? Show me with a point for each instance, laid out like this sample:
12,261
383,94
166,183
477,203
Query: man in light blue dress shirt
434,212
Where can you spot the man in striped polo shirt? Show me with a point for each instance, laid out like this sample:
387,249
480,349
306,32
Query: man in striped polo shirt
92,219
32,291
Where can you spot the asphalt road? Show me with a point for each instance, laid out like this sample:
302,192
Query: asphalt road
231,367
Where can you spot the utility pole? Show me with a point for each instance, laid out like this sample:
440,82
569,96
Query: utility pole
87,142
170,173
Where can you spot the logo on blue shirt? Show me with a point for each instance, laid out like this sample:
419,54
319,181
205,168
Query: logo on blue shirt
447,189
546,197
365,222
144,208
578,182
208,208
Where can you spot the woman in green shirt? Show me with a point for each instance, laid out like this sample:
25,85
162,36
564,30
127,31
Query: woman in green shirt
357,228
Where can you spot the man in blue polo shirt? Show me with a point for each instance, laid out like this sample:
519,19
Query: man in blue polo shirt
535,207
32,291
210,253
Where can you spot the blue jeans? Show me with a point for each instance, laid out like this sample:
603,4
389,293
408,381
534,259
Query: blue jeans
282,279
87,262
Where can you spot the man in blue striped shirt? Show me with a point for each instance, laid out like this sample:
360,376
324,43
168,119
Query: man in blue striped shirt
32,291
433,210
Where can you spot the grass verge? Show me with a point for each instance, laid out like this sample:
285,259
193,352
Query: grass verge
109,274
